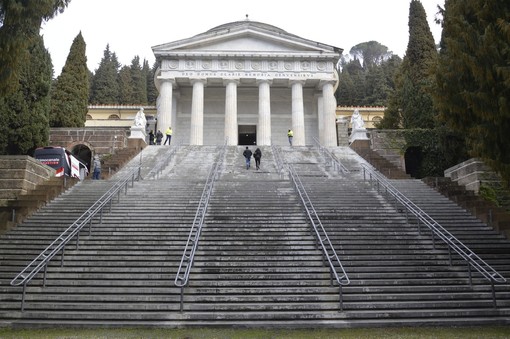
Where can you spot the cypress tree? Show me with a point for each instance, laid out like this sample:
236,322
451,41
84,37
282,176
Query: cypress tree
139,81
152,92
105,87
125,86
416,85
473,77
70,96
20,22
24,112
413,106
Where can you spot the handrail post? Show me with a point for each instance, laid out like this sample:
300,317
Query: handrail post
77,241
90,226
44,274
62,257
494,295
23,297
182,298
469,274
341,297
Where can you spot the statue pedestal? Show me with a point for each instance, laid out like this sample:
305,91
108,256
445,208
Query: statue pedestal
358,134
138,132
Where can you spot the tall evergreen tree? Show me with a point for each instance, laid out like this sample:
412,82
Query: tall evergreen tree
69,99
125,86
105,86
152,92
416,86
473,77
20,22
139,81
415,78
24,113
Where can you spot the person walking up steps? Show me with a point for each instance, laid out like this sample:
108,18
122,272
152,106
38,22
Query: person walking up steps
257,155
168,133
247,155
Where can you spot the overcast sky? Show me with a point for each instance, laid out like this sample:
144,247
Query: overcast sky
133,27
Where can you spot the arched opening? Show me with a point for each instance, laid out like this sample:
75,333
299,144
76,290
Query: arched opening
83,153
413,159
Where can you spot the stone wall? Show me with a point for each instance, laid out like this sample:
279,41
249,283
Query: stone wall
342,132
390,144
101,140
20,173
471,174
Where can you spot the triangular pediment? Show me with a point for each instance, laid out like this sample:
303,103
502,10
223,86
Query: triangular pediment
244,37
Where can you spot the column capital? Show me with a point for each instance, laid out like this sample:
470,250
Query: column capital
195,80
236,81
327,82
294,82
264,81
162,79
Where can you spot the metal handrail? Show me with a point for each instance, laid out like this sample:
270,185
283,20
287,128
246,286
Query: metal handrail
73,231
333,160
324,242
449,239
162,163
277,156
188,256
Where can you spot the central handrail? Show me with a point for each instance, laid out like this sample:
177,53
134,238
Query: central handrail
436,229
280,166
162,163
335,163
188,256
73,231
336,268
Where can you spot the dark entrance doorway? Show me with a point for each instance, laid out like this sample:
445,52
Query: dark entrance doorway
413,158
84,154
247,134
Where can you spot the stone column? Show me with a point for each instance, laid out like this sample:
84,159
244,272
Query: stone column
320,117
231,111
298,113
264,127
329,121
165,104
197,112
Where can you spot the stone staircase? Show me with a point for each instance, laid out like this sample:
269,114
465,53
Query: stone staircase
257,263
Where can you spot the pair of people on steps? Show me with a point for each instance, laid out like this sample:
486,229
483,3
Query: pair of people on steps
257,155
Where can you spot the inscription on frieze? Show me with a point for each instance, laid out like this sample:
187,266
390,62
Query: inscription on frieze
257,66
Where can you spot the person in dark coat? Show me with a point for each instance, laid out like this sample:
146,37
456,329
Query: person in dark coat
247,155
159,137
257,155
151,137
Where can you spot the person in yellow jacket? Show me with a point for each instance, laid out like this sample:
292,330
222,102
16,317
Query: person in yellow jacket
168,134
290,135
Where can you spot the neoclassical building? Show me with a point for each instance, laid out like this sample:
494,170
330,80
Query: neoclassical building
249,83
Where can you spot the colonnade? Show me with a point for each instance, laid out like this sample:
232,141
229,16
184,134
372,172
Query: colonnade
325,100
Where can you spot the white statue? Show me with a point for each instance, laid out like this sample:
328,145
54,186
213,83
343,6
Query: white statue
140,119
358,132
357,120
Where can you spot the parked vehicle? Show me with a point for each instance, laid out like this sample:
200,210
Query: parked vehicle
62,161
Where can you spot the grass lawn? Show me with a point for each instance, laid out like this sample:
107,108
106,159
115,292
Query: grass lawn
227,333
